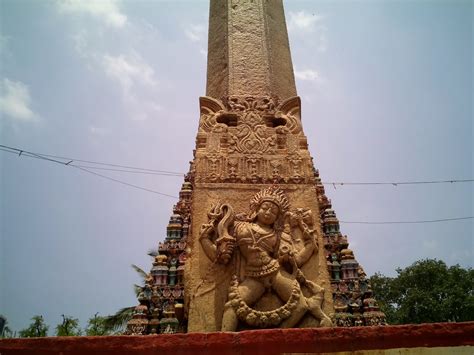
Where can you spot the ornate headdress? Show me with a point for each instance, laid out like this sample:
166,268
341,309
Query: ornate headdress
272,194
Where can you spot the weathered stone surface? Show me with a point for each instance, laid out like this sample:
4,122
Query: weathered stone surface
430,339
248,51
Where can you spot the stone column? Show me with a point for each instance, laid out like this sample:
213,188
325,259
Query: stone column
250,138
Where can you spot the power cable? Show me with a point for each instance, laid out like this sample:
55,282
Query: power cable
38,156
412,222
127,171
146,171
86,168
123,182
46,156
396,183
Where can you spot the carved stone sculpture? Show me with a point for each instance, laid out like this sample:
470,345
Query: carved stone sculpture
271,244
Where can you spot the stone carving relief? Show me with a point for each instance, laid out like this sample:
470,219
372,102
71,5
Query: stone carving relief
250,140
241,138
295,162
290,111
267,249
211,109
250,103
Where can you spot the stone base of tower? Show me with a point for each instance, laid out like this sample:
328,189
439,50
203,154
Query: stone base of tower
437,338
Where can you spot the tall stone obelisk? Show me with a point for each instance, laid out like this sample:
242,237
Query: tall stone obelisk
248,51
251,153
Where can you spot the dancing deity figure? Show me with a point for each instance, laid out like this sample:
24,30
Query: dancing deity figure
264,244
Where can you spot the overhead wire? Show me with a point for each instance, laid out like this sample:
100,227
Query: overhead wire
147,171
93,162
82,168
137,170
412,222
124,183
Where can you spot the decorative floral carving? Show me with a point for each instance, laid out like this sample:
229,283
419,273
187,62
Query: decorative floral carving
252,140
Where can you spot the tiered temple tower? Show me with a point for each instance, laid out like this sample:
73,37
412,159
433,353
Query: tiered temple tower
253,230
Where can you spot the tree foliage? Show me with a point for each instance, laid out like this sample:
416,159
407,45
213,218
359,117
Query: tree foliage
69,327
97,326
37,328
427,291
5,331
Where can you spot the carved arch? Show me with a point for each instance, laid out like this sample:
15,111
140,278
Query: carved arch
209,105
290,110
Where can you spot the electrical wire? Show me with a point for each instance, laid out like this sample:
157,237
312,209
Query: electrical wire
123,182
38,156
85,168
46,156
146,171
396,183
412,222
128,171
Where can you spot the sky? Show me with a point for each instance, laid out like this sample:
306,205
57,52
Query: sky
386,89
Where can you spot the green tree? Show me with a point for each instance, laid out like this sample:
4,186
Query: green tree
69,327
427,291
36,329
5,331
97,326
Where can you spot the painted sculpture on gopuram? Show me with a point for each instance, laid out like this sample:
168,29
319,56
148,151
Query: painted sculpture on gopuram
253,241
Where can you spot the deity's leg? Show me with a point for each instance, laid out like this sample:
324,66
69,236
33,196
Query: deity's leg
250,291
283,284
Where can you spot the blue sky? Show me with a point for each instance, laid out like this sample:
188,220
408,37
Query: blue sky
387,96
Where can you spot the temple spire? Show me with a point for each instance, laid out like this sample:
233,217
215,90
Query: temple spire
248,50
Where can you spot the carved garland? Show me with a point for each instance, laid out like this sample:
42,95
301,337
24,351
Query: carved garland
262,319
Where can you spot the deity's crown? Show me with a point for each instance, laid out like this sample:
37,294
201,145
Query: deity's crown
272,194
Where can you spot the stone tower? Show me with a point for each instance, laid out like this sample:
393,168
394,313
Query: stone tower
261,244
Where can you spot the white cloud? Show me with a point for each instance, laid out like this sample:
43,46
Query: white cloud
107,10
137,82
142,110
80,43
308,74
195,33
129,71
303,21
15,100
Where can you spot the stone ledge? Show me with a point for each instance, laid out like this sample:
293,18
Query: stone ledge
268,341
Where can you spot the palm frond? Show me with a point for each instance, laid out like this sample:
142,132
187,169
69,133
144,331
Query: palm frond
152,252
118,321
142,273
138,289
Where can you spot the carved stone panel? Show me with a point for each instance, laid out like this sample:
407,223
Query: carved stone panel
258,269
